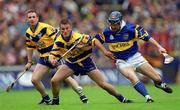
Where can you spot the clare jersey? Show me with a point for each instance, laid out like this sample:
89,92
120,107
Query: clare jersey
77,54
123,44
41,39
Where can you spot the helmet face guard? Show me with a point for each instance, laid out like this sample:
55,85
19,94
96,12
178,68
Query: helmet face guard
114,21
115,18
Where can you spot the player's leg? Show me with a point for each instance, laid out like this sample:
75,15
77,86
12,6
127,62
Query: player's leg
78,89
149,71
96,76
39,72
61,74
130,74
75,86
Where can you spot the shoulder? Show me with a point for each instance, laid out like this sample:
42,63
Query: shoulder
58,38
50,29
41,24
28,30
106,30
77,35
85,37
57,35
130,26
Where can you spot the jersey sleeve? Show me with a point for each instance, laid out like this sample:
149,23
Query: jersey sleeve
56,50
51,32
29,43
141,33
88,40
100,37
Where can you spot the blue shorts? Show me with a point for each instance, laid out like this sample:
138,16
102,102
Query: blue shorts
83,67
44,61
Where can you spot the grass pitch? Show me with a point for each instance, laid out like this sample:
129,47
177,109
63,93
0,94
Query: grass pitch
98,100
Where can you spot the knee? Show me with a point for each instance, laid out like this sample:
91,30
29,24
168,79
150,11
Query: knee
54,81
34,80
133,79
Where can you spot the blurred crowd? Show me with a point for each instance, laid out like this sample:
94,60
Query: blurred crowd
161,18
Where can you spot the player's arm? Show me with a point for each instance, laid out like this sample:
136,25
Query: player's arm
51,31
29,49
107,53
92,41
52,59
100,37
89,40
160,48
30,55
99,40
55,53
141,33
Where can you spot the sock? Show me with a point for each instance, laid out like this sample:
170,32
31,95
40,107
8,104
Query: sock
139,86
55,100
120,98
80,92
46,97
147,96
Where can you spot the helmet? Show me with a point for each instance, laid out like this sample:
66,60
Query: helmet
115,17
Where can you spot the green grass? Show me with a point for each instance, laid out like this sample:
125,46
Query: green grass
98,100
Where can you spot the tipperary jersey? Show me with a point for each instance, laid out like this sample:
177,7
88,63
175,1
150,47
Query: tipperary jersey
123,44
42,39
77,54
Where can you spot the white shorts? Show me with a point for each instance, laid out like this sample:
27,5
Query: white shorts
135,61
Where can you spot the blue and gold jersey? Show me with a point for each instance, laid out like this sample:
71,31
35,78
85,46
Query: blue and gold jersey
123,44
77,54
42,39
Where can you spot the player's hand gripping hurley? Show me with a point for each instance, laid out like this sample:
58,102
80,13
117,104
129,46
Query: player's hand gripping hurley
12,84
168,59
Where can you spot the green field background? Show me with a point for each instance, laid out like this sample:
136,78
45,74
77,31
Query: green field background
98,99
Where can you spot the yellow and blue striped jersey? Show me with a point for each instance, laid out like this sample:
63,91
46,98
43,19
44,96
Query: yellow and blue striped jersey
42,39
77,54
123,44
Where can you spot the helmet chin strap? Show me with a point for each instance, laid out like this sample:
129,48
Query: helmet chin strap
117,29
123,23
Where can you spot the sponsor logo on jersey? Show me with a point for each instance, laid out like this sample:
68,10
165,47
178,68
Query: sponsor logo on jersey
121,44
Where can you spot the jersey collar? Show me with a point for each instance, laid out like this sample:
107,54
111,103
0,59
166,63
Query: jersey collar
122,25
68,38
35,27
